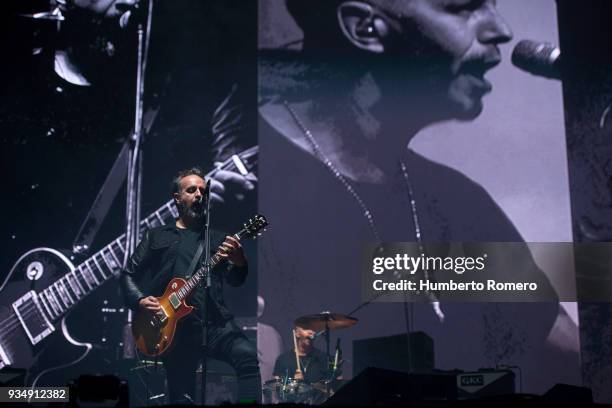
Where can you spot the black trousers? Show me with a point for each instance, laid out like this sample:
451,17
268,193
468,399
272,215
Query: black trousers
227,343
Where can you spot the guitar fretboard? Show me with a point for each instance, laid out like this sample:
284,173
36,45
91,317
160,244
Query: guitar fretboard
197,277
67,291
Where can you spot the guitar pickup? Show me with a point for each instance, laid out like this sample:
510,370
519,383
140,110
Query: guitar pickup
31,316
174,300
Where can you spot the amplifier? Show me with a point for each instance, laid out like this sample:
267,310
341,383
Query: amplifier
391,353
484,383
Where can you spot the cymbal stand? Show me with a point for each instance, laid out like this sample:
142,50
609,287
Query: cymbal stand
327,344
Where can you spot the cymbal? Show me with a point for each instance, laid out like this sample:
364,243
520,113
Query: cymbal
317,322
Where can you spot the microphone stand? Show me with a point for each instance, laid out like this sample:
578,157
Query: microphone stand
206,282
134,161
134,179
334,368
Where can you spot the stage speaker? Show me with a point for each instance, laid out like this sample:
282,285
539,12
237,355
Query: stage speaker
375,386
565,393
12,377
391,352
147,380
99,391
221,383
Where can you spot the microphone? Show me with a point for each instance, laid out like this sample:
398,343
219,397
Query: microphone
207,190
317,334
204,197
538,58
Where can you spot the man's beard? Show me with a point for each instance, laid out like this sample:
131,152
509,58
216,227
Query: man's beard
190,212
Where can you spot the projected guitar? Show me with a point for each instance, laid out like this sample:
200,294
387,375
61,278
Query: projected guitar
44,286
153,332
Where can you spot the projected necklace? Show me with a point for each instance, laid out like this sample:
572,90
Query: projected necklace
366,211
334,171
338,176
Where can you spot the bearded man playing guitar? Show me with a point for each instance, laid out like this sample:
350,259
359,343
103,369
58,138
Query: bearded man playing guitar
167,252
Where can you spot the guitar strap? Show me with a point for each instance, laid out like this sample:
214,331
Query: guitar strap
106,196
195,259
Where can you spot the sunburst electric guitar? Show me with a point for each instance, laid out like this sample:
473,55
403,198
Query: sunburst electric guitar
153,332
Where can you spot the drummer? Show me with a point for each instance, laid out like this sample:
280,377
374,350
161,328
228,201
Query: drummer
313,362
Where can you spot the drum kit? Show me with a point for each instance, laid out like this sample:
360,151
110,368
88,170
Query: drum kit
295,389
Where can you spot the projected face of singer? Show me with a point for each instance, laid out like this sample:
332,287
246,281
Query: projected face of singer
94,34
468,32
454,42
187,200
438,49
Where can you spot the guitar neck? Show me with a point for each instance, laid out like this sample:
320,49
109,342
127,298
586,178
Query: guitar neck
196,278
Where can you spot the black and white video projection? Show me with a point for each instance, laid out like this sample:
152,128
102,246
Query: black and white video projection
428,182
393,121
100,95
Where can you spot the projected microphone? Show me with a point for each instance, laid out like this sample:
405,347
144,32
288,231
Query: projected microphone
131,13
538,58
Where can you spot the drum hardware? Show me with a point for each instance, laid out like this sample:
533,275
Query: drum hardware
294,389
290,390
324,322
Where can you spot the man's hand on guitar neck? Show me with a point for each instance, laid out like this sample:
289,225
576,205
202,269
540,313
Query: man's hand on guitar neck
231,250
232,188
232,195
149,303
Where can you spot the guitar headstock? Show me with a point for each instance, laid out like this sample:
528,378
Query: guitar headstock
254,226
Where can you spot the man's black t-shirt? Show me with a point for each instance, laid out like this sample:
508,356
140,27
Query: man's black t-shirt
186,249
314,366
